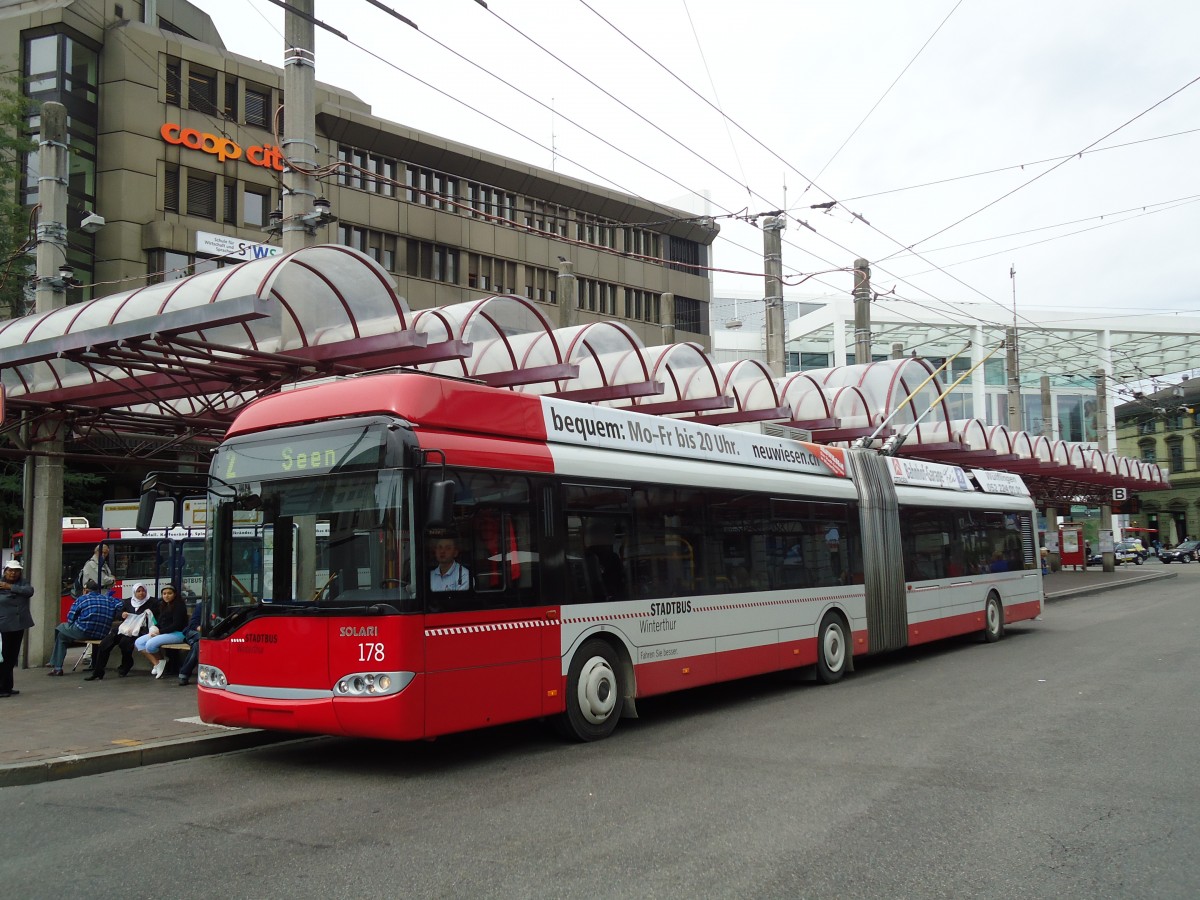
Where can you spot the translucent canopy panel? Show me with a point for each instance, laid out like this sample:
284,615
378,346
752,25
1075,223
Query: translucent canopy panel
316,296
755,395
887,385
810,405
608,357
506,334
689,379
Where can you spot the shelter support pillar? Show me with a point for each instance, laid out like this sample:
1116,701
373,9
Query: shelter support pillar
44,466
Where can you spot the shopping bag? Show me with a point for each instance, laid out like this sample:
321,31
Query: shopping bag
132,626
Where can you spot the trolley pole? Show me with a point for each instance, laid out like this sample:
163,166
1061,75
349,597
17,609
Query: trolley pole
300,128
772,228
1106,523
1051,511
1014,380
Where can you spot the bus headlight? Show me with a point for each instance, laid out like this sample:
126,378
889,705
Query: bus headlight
212,677
372,684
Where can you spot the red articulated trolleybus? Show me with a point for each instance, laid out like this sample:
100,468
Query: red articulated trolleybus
586,558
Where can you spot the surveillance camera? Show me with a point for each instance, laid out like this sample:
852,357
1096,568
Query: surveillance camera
91,223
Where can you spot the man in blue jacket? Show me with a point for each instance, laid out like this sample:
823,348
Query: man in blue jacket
89,619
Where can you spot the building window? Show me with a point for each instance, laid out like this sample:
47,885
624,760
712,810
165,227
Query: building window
230,109
592,230
378,245
642,306
367,171
685,255
487,273
202,90
229,201
202,195
171,189
258,106
535,214
1175,455
435,262
491,203
1150,426
256,205
640,242
541,284
430,188
813,361
692,315
174,82
596,296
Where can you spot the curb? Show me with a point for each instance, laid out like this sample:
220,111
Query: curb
77,766
1102,588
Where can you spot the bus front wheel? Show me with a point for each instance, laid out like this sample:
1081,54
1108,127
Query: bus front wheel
595,695
833,649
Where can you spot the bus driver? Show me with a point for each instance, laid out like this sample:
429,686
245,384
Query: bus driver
449,574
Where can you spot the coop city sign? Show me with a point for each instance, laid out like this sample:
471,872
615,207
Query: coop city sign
266,155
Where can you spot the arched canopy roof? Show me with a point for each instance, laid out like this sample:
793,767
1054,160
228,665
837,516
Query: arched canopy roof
317,310
198,348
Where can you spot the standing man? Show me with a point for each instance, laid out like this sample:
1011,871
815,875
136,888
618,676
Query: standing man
15,618
89,619
98,569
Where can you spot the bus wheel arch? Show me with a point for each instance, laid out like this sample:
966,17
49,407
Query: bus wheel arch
599,688
834,647
993,618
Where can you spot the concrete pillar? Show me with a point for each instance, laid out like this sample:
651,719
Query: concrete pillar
666,310
862,312
772,229
44,487
567,313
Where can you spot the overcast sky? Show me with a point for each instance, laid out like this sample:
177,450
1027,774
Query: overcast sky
914,116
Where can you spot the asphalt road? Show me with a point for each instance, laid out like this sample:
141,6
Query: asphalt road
1060,762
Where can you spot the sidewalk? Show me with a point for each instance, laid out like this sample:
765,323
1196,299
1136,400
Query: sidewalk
1093,580
67,727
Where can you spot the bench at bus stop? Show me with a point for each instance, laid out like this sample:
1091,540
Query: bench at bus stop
178,651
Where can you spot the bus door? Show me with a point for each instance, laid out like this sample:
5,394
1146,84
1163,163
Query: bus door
484,634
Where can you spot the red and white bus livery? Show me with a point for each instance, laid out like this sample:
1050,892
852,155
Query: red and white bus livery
602,556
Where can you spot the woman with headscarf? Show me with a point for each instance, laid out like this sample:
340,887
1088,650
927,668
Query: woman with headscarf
140,602
170,620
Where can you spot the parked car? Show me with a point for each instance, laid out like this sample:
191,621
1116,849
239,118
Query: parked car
1121,554
1186,552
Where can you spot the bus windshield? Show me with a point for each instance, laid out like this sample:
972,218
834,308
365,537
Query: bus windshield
329,541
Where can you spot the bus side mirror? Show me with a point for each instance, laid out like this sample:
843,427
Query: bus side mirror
146,505
441,504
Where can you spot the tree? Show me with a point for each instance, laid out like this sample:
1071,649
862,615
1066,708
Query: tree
16,229
83,495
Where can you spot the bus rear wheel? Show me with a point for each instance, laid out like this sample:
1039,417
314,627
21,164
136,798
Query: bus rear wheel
595,694
833,649
993,619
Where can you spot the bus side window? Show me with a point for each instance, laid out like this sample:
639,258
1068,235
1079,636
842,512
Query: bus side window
605,570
